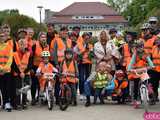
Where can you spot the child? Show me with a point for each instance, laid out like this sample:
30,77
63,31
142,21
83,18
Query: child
44,67
120,86
21,67
69,67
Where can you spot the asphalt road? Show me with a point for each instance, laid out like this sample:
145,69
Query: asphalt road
109,111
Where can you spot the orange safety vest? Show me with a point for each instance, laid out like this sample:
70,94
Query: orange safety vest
123,85
6,55
69,69
140,63
127,54
44,69
62,47
156,58
149,44
21,62
85,58
37,55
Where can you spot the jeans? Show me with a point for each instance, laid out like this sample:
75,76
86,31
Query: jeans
84,72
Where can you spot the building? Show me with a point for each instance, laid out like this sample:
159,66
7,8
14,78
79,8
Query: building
89,16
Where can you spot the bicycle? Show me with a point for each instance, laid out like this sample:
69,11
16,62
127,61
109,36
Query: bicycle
143,89
49,89
65,92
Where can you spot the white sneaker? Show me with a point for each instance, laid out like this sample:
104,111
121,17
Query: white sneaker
81,97
8,107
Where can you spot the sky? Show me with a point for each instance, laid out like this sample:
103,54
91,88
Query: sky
29,7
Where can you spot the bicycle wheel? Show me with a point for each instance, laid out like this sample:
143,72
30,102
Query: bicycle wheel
144,98
65,97
50,100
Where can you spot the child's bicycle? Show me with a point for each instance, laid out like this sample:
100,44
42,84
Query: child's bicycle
49,89
65,92
143,89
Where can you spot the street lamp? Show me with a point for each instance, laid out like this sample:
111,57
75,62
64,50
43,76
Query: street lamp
40,11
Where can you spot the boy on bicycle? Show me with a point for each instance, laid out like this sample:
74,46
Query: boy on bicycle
44,67
70,70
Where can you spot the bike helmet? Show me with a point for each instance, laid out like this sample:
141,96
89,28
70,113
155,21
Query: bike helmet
153,19
46,54
119,73
146,26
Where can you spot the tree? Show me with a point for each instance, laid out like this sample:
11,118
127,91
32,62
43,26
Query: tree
17,21
119,5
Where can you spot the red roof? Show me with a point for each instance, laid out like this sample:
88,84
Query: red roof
88,8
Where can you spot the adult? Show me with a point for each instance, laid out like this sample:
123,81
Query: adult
105,50
85,52
37,49
154,23
50,33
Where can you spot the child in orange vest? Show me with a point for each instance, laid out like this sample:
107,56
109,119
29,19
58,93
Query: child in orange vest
120,86
69,67
21,67
44,67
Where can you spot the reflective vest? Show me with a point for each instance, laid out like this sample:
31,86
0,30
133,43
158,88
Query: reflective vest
46,68
156,58
85,52
71,70
121,85
37,55
148,45
21,62
139,63
6,55
61,47
100,81
127,54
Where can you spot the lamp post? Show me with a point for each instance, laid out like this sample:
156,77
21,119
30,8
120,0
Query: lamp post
40,12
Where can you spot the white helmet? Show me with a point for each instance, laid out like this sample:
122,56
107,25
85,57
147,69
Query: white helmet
146,26
153,19
46,54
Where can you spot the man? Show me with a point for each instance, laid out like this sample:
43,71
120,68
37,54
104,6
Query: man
50,33
154,23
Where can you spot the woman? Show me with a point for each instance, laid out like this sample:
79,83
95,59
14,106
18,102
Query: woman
105,50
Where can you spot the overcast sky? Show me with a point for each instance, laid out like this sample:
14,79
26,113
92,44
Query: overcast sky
29,7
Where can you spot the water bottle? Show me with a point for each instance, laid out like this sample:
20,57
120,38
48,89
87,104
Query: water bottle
159,91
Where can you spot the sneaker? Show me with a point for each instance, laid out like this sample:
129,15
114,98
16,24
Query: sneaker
81,97
136,104
87,104
8,107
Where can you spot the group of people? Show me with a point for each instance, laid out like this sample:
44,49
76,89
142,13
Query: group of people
23,61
